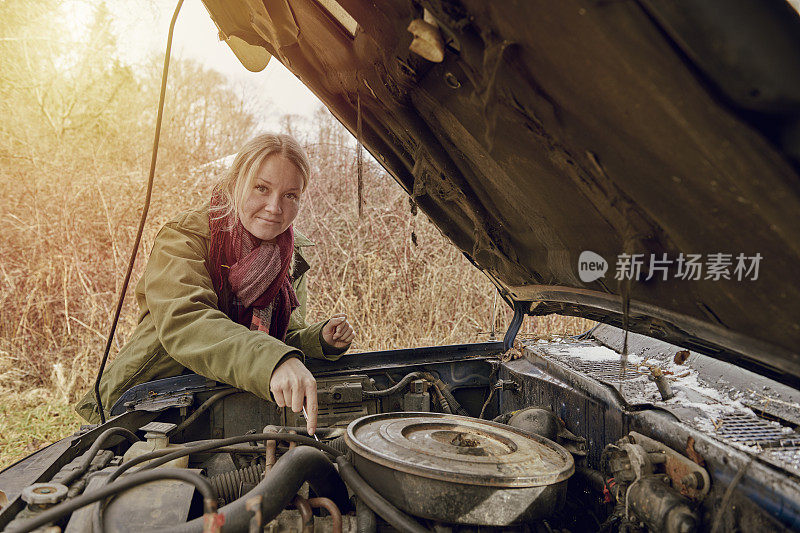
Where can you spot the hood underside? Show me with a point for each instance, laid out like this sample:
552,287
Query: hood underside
553,128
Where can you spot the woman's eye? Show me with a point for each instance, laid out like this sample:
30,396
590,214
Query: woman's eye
261,188
292,196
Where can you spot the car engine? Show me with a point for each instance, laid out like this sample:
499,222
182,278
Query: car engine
558,435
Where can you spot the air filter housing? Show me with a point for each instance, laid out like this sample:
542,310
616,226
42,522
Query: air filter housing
458,469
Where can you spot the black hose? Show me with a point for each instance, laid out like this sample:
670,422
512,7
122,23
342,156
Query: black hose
441,399
228,484
251,450
159,459
339,443
366,521
148,194
394,516
451,400
394,388
205,406
99,462
322,433
97,445
133,480
595,479
97,515
279,487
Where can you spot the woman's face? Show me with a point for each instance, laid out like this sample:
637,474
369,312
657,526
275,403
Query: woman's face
273,200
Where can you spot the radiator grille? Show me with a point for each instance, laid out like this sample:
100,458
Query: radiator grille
601,370
753,431
607,370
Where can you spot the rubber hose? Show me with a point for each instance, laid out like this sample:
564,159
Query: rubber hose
454,405
205,406
99,442
128,482
295,467
595,479
158,458
441,399
366,521
97,512
227,484
394,516
394,388
339,444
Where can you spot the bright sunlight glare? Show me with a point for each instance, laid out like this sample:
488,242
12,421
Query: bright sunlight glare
143,27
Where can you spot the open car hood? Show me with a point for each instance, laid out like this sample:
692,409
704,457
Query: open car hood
549,129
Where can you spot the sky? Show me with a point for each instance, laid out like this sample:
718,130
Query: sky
143,28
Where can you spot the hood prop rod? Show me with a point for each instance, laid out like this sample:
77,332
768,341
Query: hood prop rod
520,310
145,209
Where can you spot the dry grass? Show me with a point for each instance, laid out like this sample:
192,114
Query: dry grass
63,253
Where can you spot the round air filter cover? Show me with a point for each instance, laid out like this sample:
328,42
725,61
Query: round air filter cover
459,469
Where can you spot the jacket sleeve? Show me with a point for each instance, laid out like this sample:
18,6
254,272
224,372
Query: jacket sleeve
190,326
308,338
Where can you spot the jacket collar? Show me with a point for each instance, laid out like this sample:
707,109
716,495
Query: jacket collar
301,241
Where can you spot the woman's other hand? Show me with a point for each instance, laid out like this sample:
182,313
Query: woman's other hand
338,332
292,385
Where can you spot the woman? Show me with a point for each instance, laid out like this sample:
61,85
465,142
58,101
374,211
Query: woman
224,291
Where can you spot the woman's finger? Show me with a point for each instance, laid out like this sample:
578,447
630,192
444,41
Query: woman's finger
279,398
337,320
311,407
330,328
344,329
346,337
298,398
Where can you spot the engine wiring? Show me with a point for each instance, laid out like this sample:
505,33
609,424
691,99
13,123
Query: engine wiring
148,472
133,480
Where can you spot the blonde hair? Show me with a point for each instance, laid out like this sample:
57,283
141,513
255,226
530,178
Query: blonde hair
239,177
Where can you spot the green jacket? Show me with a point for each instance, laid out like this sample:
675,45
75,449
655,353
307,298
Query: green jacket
181,326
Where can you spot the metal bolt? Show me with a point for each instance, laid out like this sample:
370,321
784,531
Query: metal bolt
692,481
451,80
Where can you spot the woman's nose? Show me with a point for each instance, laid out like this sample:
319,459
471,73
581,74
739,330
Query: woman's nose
273,205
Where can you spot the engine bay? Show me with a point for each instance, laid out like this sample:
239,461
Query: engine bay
554,435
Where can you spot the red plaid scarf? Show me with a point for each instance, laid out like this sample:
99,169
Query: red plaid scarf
257,273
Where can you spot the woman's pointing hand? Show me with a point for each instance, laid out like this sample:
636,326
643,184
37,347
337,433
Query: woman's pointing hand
292,385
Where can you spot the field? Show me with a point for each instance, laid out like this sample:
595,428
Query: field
63,264
74,152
